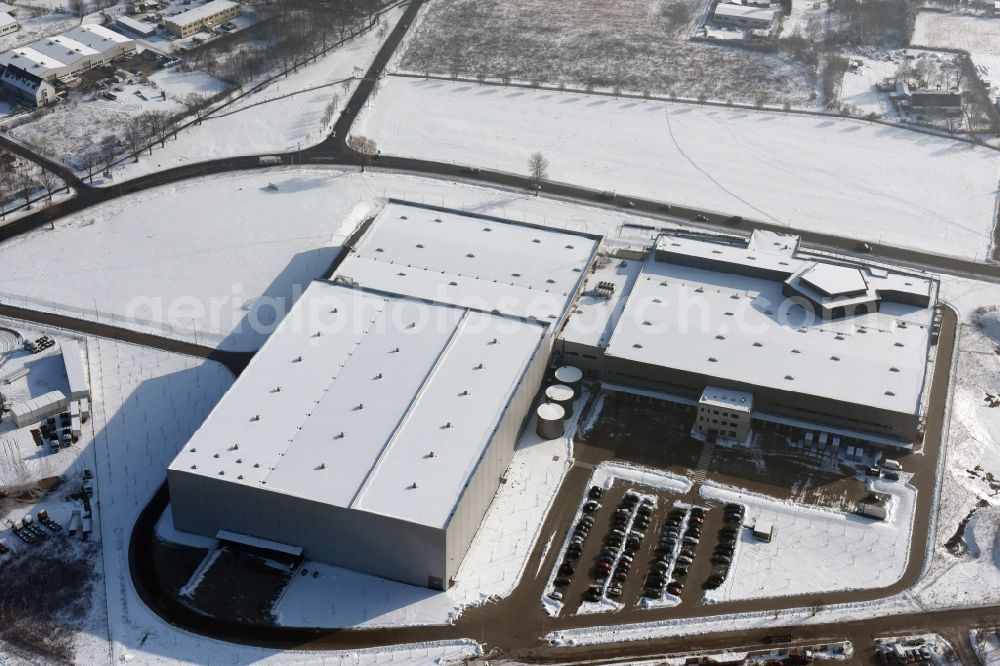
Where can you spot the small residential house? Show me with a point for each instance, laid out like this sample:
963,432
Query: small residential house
8,23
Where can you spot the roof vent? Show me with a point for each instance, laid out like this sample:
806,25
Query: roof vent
413,324
550,281
487,229
402,217
236,447
256,417
470,255
378,376
712,359
535,240
437,219
796,351
480,366
515,275
420,245
277,389
898,344
378,249
465,392
193,449
647,323
493,341
194,467
758,344
893,369
735,296
256,465
699,290
834,358
240,477
361,405
401,274
447,425
339,435
318,334
452,284
239,460
720,337
889,393
395,350
569,247
656,300
430,455
222,472
297,359
333,311
789,377
637,345
413,486
322,466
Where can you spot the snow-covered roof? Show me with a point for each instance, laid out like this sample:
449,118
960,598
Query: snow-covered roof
63,49
31,60
482,263
136,26
741,329
835,280
717,396
6,19
6,8
745,11
197,14
368,400
734,255
595,313
97,36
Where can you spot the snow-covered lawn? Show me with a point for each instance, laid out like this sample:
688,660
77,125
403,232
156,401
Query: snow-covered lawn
604,44
207,260
979,35
843,177
815,550
858,90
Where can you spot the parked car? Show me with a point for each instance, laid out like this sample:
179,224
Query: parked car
556,595
722,559
591,506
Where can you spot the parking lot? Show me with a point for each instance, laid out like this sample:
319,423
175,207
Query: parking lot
653,549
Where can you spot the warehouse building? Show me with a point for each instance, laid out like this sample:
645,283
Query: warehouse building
803,342
201,18
372,429
27,87
8,24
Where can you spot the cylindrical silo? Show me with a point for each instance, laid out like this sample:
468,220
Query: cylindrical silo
551,418
570,376
561,395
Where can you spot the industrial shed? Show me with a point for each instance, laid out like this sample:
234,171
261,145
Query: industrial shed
372,429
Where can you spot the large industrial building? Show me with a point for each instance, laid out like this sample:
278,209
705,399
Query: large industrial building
373,428
759,330
201,18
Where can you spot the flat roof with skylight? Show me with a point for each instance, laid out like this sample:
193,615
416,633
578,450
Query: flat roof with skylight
369,401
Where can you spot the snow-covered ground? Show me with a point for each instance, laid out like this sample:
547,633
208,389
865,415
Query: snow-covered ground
285,116
858,90
987,646
815,550
35,25
837,176
979,35
135,261
497,558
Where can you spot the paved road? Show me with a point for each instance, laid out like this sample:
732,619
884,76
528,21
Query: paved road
235,361
58,168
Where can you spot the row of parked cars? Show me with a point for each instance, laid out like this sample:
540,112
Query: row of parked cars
625,535
679,541
722,558
578,537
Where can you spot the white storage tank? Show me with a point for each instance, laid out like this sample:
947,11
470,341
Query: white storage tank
570,376
551,421
561,395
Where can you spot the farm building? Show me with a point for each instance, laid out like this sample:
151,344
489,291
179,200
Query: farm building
201,18
372,429
802,340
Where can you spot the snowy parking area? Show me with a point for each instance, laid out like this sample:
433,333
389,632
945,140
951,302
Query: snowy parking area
836,176
815,550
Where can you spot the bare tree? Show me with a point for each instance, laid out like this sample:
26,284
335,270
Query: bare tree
538,169
76,7
367,147
108,145
50,182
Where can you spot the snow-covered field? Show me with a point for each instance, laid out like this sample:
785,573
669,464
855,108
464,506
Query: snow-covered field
843,177
290,117
207,260
74,129
979,35
603,44
35,25
816,550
